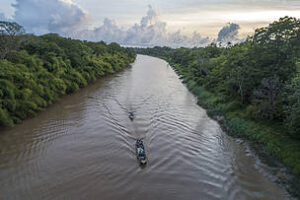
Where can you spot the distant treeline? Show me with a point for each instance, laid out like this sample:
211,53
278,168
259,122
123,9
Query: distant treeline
35,71
255,85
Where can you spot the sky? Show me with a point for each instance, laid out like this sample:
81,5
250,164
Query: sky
148,22
205,16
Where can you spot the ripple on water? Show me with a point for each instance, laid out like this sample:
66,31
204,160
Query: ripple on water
83,147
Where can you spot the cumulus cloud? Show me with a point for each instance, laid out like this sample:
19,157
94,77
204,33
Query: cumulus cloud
68,19
108,32
3,18
44,16
229,33
149,32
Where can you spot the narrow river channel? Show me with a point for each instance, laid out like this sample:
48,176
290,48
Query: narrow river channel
83,147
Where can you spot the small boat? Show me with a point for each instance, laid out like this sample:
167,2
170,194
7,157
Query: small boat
140,152
131,116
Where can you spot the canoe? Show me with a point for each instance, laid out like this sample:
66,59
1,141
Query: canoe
140,152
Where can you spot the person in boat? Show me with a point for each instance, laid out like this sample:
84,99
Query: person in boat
141,153
131,115
139,142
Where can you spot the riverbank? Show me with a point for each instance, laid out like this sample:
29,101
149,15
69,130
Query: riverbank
266,138
86,139
44,68
251,87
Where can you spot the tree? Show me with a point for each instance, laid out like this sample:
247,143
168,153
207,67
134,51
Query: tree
8,37
36,70
267,97
292,107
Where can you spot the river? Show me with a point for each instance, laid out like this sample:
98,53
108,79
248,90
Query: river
83,147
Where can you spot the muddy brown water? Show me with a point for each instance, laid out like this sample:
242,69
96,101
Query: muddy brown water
83,146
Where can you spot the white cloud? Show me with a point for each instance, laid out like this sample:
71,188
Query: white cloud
205,16
3,17
43,16
69,19
149,32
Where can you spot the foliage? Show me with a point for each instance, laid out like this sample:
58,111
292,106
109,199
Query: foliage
44,68
8,37
255,85
292,107
260,73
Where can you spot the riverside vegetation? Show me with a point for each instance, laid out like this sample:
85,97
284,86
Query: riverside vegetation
252,88
35,71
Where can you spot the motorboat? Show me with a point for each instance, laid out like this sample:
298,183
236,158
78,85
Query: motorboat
140,152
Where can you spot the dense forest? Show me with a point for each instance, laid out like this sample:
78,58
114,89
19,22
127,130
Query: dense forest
35,71
253,87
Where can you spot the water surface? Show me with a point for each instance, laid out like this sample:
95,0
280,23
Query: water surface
83,146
